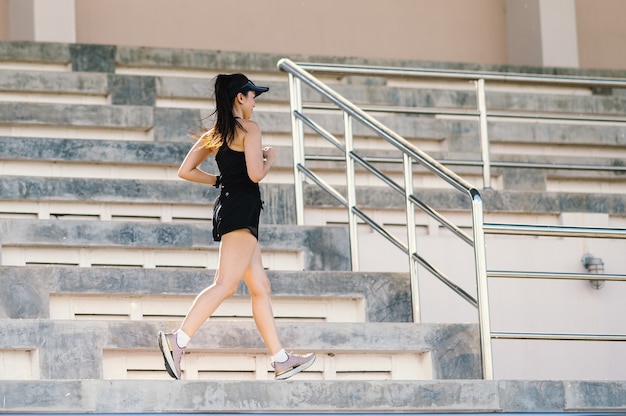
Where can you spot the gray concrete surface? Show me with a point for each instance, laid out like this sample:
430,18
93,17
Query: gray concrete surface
322,248
70,352
25,291
293,396
72,349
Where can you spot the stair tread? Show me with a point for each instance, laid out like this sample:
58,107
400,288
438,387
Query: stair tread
177,87
386,295
146,191
297,396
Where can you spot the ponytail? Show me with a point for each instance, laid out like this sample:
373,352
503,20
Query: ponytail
226,124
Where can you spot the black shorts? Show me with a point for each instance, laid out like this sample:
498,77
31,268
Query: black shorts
236,210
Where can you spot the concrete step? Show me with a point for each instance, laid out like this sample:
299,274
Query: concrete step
298,396
120,58
127,200
129,349
196,92
114,159
146,123
167,155
133,118
496,201
128,244
109,152
180,201
90,292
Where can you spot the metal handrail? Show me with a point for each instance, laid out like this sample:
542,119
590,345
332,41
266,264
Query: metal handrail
499,164
556,231
508,274
463,75
558,337
394,138
468,112
480,77
411,153
298,74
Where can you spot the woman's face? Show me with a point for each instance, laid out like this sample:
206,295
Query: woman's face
248,103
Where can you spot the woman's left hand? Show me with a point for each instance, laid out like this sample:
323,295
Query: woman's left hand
269,155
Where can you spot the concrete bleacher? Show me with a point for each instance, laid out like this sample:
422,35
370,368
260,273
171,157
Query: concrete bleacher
102,245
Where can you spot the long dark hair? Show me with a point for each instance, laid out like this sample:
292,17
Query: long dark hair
225,127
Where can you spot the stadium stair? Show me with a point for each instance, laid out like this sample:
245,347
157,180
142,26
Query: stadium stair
102,246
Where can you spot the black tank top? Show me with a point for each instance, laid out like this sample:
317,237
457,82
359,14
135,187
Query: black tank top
233,169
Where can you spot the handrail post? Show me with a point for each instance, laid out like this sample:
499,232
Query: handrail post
351,190
480,261
484,134
297,135
411,237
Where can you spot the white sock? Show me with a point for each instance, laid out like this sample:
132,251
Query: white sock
280,357
182,339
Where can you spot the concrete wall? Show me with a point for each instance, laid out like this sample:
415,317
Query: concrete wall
601,33
565,33
446,30
4,20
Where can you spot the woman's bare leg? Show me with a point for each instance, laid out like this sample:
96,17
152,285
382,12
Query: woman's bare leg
236,252
260,292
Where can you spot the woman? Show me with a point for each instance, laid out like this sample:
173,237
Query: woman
235,142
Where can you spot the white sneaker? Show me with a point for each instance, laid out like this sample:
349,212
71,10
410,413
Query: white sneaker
294,364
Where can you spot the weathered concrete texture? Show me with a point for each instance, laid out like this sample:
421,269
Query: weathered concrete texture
381,94
199,59
137,396
100,151
494,200
77,115
145,88
174,124
170,153
605,104
524,179
132,90
323,248
191,88
25,51
54,82
553,202
279,198
525,396
92,58
25,291
111,190
597,135
196,59
596,395
459,359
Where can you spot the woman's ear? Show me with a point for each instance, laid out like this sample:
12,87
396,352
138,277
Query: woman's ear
240,97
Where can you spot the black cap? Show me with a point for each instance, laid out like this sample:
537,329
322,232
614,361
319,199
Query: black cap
240,83
249,86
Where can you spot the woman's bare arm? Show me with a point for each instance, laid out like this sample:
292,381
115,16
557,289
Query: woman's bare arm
259,159
189,169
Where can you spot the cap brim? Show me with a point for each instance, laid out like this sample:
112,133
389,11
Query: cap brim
249,86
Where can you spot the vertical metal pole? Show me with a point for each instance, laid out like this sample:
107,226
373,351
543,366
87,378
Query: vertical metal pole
484,135
351,190
480,259
411,237
297,135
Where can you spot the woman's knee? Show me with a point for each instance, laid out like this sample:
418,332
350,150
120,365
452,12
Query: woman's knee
226,289
259,287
